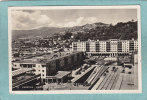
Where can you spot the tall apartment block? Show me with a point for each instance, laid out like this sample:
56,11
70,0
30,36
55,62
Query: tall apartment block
110,47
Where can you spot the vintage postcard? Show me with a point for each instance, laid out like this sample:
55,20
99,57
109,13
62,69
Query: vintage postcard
74,49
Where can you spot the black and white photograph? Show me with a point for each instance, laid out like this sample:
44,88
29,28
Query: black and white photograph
74,49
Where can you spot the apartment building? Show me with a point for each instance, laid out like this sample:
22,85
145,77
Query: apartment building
111,47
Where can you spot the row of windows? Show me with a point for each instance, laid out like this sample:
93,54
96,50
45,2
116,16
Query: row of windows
42,70
123,43
108,46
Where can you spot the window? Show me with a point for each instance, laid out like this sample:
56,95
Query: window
42,70
43,66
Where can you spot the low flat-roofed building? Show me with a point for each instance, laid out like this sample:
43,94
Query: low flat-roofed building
60,77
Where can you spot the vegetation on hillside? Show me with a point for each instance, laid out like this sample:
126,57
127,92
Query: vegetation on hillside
101,31
123,31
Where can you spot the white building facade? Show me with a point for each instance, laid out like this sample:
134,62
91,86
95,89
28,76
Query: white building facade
109,47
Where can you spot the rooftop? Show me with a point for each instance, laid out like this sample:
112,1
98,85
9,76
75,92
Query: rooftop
103,40
61,74
21,71
32,61
43,59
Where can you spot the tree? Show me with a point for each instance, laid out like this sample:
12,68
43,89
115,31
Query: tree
67,35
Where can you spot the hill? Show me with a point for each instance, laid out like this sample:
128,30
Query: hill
43,32
93,31
123,31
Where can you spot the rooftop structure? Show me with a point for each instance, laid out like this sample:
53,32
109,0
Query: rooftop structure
23,77
21,71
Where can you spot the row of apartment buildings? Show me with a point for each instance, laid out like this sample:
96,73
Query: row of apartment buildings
108,47
49,67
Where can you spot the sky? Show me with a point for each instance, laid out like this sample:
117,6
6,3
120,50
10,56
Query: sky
31,19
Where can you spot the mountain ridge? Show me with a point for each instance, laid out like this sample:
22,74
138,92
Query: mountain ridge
96,30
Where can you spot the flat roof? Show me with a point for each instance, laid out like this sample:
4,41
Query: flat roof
21,71
45,59
23,79
61,74
31,61
82,74
111,58
103,40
